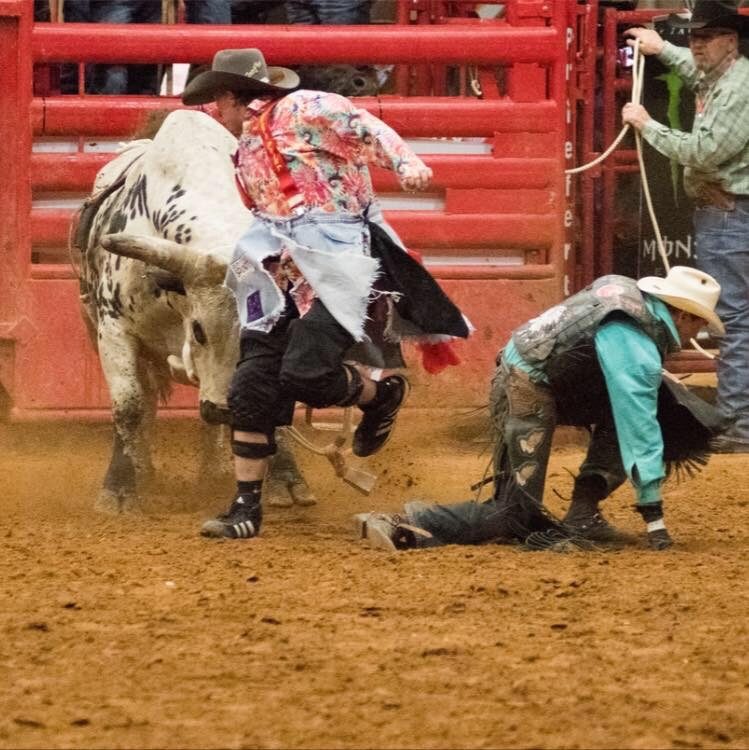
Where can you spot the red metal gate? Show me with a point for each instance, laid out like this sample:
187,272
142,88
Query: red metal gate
496,230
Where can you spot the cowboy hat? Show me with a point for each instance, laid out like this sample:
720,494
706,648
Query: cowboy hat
242,71
687,289
712,14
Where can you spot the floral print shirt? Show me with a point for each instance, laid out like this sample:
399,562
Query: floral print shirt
327,144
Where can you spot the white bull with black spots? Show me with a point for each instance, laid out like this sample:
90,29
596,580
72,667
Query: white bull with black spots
154,299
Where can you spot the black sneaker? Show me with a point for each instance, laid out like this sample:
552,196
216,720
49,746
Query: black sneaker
242,521
378,417
595,528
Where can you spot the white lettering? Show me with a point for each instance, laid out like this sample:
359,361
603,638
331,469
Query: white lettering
674,248
568,150
567,248
568,218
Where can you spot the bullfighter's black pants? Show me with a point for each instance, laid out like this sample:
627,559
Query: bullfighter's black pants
299,359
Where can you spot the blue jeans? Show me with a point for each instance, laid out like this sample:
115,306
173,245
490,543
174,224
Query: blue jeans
114,79
208,11
333,12
722,241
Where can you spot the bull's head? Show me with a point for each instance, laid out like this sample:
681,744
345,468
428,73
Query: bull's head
211,341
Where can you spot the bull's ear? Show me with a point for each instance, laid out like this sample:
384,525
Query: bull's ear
166,281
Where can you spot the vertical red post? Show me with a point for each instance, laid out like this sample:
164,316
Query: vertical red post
402,73
588,230
573,45
16,17
610,26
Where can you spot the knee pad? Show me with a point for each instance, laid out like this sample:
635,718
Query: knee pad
243,449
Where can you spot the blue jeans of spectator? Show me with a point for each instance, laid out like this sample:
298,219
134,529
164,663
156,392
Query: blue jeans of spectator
253,11
208,11
114,79
332,12
722,241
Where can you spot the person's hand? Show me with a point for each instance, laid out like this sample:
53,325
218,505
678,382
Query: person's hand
651,42
635,115
659,540
416,177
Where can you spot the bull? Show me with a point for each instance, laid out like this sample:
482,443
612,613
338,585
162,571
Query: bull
153,297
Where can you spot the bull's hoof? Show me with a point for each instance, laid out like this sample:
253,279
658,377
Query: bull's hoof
114,503
302,494
283,493
277,494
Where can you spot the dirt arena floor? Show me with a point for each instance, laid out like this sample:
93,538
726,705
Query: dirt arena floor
134,632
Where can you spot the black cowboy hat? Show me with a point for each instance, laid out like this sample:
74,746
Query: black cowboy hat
713,14
242,71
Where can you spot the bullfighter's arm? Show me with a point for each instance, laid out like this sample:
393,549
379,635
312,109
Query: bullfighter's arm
373,142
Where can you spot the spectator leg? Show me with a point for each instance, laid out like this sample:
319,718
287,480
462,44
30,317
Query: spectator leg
301,12
342,12
208,11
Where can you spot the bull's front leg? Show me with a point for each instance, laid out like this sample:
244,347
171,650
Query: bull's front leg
285,484
131,408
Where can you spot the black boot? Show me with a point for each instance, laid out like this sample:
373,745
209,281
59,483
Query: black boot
378,416
583,517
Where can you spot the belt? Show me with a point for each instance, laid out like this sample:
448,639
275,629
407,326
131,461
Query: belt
721,200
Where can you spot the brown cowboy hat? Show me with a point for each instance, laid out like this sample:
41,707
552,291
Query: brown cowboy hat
713,14
242,71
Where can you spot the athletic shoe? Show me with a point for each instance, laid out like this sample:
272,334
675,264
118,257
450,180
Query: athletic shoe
388,531
595,528
241,521
378,417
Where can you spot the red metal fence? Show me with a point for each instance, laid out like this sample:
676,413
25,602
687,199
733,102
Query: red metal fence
496,230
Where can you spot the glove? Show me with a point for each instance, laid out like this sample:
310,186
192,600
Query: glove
660,539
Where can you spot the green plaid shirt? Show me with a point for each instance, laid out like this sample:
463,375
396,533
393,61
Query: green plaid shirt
717,149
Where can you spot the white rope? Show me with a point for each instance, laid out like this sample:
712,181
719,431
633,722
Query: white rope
638,78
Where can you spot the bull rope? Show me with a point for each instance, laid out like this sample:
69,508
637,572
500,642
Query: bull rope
638,77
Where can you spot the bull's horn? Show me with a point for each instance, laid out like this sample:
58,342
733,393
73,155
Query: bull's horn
185,262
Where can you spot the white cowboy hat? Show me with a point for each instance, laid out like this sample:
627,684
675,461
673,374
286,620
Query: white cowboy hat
239,70
687,289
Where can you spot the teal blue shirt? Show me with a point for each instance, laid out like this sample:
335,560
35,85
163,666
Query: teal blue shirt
631,365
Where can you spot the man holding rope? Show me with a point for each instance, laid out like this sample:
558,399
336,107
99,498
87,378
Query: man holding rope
715,156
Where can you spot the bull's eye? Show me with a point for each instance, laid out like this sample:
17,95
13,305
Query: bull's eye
198,332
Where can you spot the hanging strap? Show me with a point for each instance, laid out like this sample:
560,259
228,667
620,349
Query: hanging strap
292,195
290,191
